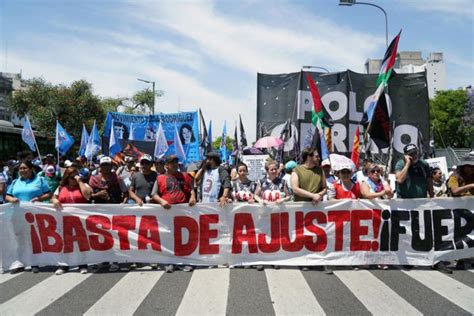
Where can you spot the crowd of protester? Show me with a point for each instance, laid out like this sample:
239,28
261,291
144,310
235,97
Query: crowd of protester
166,182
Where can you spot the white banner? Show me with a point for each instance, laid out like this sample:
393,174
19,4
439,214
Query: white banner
345,232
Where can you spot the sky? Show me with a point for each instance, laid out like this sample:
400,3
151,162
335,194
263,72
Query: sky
206,54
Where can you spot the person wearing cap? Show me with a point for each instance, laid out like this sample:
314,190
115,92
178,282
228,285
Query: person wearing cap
143,181
106,185
173,187
52,177
330,178
243,189
288,169
413,176
71,190
345,187
125,172
461,182
214,180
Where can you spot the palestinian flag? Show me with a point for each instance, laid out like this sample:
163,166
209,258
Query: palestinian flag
318,113
388,61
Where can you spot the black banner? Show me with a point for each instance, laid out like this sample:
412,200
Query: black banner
345,96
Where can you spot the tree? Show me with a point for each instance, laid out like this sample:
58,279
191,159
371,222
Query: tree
216,144
448,117
71,105
143,100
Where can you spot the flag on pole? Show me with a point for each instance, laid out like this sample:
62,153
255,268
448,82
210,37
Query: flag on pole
84,140
356,149
93,144
319,142
27,135
376,121
114,143
161,144
206,145
318,115
210,133
243,137
388,61
329,139
178,146
64,141
236,140
223,148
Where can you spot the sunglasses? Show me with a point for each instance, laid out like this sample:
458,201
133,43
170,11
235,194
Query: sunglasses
375,171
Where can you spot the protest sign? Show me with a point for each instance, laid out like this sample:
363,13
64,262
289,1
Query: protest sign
255,165
349,232
439,162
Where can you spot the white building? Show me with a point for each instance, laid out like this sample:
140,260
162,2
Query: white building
412,62
10,82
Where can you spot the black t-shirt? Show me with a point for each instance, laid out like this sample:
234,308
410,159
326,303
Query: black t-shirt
143,184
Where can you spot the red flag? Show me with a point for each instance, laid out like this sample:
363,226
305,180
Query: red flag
355,149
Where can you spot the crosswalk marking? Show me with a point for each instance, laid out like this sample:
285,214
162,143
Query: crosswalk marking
377,297
471,270
41,295
206,293
291,294
458,293
128,293
8,276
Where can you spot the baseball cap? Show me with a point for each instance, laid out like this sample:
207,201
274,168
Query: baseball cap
290,165
146,157
84,173
50,170
410,148
105,160
67,163
171,158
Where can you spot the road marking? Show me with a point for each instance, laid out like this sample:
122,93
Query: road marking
377,297
41,295
291,294
125,296
206,293
455,291
8,276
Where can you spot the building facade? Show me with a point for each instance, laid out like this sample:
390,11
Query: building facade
413,62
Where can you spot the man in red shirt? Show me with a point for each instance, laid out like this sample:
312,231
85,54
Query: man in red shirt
174,187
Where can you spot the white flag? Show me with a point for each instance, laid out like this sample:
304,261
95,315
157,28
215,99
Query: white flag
178,146
161,144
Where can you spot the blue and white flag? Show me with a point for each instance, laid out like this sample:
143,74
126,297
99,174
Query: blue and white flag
223,148
93,144
84,140
27,135
64,141
114,142
161,144
178,146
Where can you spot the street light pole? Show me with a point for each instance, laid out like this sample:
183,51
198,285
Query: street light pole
315,67
153,100
349,3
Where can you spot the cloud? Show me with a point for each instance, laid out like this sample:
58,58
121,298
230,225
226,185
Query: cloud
461,8
254,46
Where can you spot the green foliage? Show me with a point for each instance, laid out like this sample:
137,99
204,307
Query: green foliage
71,105
447,115
143,100
216,144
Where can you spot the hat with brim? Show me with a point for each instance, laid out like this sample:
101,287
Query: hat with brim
171,158
214,155
410,148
